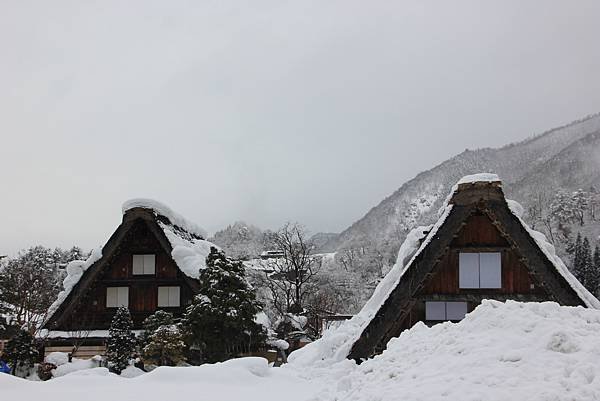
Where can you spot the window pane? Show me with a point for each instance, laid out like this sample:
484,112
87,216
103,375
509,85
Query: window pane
163,296
456,310
149,264
138,264
174,296
490,270
111,297
123,296
468,270
435,311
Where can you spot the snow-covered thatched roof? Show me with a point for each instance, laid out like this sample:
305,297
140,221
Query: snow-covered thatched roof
189,248
336,344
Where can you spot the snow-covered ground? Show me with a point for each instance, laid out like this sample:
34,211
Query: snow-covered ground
501,351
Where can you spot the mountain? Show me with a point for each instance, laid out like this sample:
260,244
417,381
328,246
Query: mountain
566,158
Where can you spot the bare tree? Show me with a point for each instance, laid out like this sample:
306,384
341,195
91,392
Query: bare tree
289,276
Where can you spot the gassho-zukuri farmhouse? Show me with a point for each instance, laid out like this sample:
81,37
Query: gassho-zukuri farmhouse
480,248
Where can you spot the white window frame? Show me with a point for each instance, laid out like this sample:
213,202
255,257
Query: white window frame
439,311
470,269
169,297
117,296
144,264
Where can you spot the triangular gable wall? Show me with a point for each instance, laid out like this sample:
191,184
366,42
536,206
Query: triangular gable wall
110,250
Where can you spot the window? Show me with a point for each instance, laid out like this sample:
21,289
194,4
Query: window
480,270
144,264
117,296
440,310
168,297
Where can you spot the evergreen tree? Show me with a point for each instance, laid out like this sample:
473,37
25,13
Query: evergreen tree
220,322
586,266
121,341
577,268
152,323
165,347
596,271
21,351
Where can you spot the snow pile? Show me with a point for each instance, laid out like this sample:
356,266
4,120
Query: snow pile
165,211
512,351
57,358
336,344
75,365
235,380
131,371
75,270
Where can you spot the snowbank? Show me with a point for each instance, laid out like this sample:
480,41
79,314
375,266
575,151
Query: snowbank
235,380
165,211
512,351
75,366
57,358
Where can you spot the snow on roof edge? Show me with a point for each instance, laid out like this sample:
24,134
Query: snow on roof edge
550,252
188,253
75,270
335,345
165,211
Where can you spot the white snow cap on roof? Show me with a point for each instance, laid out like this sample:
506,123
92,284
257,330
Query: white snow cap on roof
480,177
163,210
335,345
188,251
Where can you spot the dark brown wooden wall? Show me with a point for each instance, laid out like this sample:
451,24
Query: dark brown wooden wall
480,235
143,289
477,235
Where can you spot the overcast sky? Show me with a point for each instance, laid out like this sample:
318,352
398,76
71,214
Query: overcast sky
266,111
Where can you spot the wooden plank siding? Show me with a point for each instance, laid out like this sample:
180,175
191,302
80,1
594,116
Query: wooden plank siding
480,234
91,312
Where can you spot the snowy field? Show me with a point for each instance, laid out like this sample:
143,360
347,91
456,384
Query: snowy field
511,351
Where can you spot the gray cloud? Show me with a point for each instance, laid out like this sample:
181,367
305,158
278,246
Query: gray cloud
267,111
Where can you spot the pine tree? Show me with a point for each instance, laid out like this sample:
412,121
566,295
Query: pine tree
596,271
220,322
21,351
586,266
152,323
577,268
165,347
121,341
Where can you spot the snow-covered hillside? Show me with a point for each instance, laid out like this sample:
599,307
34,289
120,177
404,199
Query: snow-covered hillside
500,351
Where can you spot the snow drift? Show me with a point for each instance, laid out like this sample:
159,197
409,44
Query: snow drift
500,351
